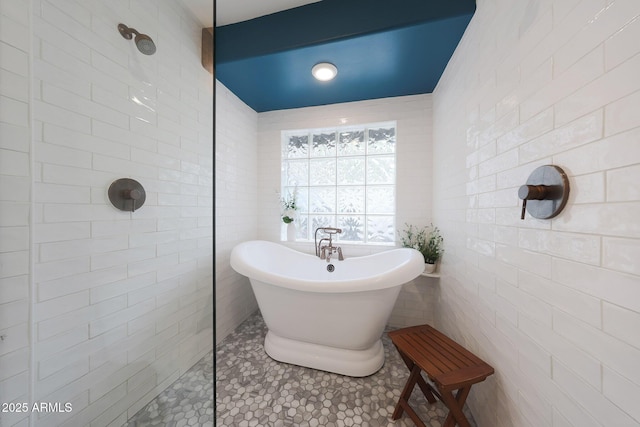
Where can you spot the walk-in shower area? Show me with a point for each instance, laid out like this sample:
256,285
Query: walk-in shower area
106,205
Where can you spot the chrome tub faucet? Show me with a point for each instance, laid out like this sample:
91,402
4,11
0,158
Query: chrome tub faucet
325,251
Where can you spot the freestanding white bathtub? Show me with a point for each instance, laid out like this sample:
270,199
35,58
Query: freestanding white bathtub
324,320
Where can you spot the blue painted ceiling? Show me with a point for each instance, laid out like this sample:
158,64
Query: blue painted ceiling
382,49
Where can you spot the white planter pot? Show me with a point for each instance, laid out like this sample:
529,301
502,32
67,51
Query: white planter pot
291,232
429,268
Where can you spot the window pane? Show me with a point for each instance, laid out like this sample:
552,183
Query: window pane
322,221
302,227
351,143
298,146
381,170
323,172
381,200
323,199
324,145
297,172
351,200
380,229
302,197
351,170
352,228
381,140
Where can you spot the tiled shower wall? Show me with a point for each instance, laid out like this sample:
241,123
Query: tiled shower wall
122,302
553,305
236,205
15,193
413,178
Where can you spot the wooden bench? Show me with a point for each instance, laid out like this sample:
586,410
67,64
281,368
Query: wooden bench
448,365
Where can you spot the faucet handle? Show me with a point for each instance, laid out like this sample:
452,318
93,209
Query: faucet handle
340,257
323,252
332,230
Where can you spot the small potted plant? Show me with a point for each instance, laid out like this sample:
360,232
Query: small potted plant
427,240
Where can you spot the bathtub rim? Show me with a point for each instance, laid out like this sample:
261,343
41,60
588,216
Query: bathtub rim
404,272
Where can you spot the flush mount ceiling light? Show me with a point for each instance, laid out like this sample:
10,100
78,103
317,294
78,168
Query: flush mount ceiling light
324,71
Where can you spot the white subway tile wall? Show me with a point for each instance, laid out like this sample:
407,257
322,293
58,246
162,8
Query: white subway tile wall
552,304
236,205
121,303
15,194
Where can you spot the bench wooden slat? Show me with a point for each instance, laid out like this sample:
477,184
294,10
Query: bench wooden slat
470,375
426,332
453,348
422,346
427,358
450,353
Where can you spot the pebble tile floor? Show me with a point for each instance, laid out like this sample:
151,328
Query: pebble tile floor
186,402
254,390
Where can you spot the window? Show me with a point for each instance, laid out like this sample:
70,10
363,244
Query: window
345,178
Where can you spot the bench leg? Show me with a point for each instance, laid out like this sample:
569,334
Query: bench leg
426,389
455,405
403,402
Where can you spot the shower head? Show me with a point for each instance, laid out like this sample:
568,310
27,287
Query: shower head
144,43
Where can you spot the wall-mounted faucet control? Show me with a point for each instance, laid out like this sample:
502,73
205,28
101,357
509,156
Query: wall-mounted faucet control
127,194
545,193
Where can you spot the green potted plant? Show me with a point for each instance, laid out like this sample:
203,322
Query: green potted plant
427,240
